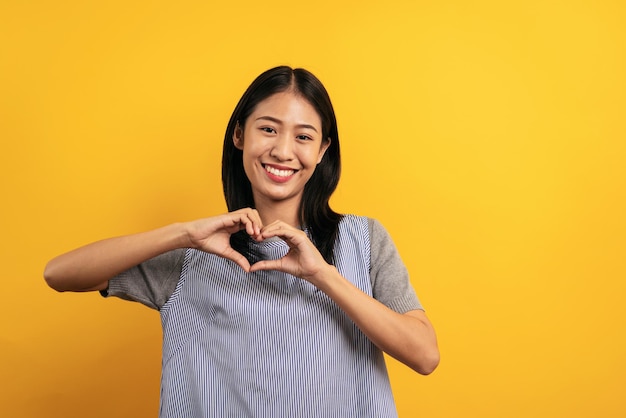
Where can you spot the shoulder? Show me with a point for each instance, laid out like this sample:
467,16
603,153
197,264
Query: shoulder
375,230
355,221
354,227
390,277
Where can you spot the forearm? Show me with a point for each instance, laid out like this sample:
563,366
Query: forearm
410,338
92,266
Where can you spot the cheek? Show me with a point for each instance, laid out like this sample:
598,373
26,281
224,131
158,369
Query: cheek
254,147
248,165
247,162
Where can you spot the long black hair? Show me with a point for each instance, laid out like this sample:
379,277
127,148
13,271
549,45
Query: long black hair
315,213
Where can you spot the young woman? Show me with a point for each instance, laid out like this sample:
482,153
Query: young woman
280,307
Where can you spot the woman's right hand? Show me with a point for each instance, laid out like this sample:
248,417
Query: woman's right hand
212,235
91,267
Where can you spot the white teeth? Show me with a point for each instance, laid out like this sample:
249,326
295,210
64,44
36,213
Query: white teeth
279,173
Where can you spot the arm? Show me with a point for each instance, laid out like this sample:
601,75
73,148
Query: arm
92,266
409,337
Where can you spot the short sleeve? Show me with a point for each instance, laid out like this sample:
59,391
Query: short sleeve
390,278
151,282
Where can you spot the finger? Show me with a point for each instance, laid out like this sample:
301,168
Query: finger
256,220
251,219
248,220
248,224
277,227
258,223
289,234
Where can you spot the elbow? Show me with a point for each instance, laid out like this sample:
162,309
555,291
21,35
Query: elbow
428,363
60,279
52,279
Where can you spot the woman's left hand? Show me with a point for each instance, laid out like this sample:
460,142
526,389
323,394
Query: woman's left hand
302,260
408,337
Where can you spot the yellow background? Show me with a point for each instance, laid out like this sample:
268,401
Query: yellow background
488,137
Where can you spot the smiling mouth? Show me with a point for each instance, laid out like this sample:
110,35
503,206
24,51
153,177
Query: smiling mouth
277,172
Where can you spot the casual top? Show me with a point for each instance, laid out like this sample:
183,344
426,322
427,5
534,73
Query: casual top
153,282
269,344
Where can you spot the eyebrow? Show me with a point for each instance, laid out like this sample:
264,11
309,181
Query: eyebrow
280,122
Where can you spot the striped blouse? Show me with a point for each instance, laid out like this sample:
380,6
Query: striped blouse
268,344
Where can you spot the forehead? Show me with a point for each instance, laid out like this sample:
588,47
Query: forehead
288,107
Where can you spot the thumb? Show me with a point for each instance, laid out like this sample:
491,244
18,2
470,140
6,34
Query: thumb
238,258
266,265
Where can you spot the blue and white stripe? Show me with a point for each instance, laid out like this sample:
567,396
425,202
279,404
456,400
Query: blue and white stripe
268,344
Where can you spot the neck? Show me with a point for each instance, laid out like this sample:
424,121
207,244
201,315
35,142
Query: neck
286,211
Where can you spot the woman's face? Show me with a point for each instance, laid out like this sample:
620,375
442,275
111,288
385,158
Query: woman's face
282,144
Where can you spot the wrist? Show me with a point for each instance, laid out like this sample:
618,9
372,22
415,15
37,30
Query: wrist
325,278
192,238
179,234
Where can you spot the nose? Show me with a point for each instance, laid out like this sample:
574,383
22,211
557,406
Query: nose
282,148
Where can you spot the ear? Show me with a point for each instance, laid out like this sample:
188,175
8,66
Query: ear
238,137
323,147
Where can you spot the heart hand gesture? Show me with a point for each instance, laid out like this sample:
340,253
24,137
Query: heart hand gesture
213,234
302,260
